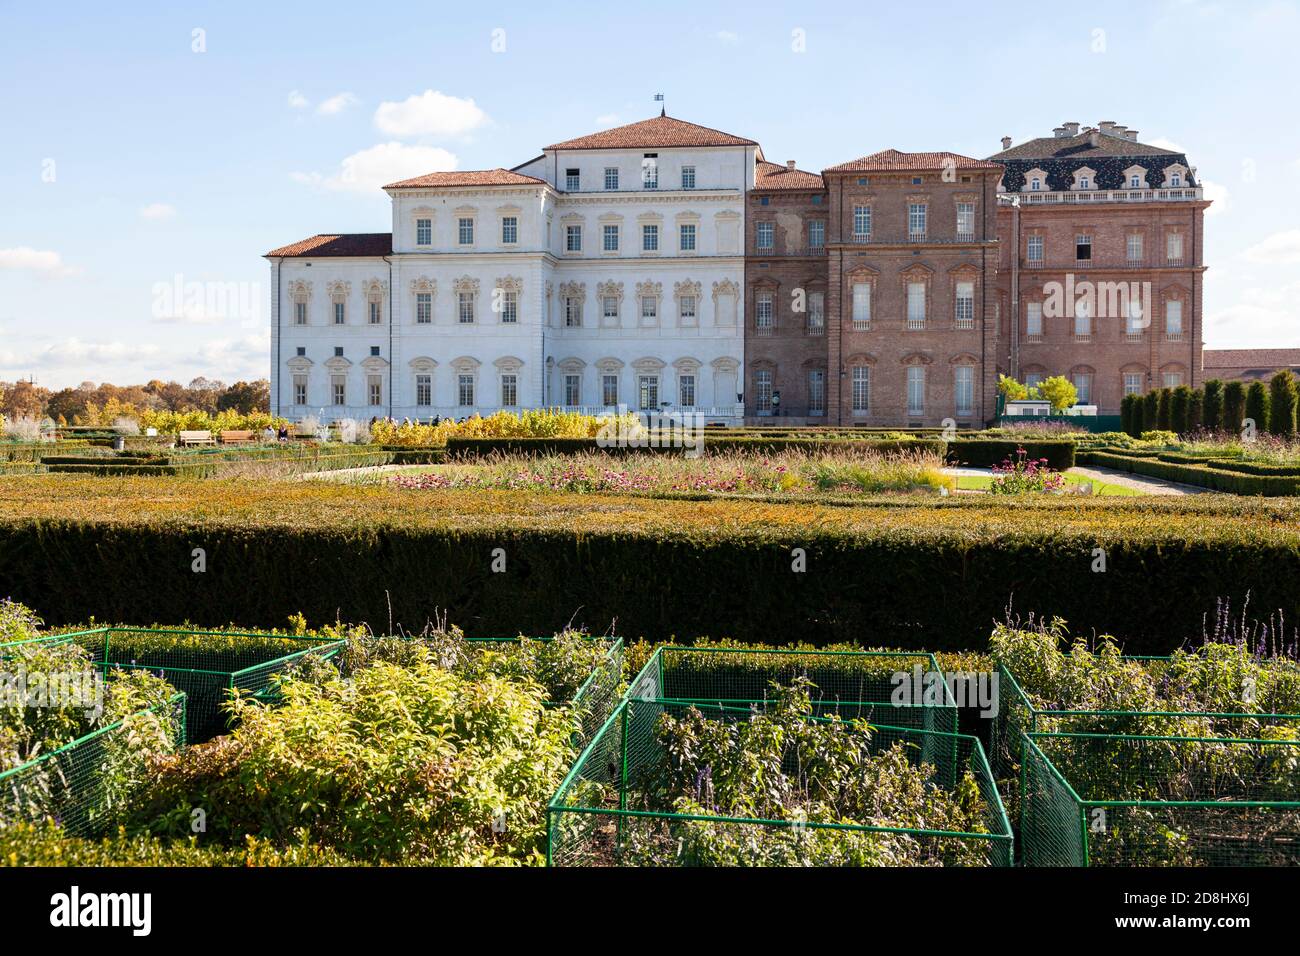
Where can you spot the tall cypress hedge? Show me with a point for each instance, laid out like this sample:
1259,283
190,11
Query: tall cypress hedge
1151,411
1234,406
1164,413
1179,403
1257,405
1127,412
1196,410
1282,404
1212,409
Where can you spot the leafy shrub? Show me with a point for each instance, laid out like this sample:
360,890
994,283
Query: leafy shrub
1024,475
1212,409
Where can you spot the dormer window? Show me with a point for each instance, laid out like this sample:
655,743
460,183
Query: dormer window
1035,184
1135,182
1084,183
1175,180
1136,177
571,180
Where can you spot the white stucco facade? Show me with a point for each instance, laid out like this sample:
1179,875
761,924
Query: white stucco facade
622,284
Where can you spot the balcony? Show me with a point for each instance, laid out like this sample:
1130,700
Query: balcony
816,328
1091,197
911,238
789,251
1138,336
1175,337
1033,337
763,330
915,325
861,325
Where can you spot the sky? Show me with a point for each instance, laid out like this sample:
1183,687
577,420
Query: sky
151,153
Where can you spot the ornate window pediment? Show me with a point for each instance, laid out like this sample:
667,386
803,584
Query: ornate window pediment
1035,181
299,363
576,290
465,363
649,288
860,358
686,287
337,363
917,358
374,289
1085,177
649,364
725,287
1140,172
424,284
338,289
509,284
609,364
571,364
964,358
466,283
1172,170
300,289
508,363
423,363
374,363
606,289
725,363
687,364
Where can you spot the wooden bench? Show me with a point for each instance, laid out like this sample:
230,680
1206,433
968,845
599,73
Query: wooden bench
187,438
236,437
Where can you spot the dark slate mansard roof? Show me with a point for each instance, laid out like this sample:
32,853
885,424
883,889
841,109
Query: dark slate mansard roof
1060,157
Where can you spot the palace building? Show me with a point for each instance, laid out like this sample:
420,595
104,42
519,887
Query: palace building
664,265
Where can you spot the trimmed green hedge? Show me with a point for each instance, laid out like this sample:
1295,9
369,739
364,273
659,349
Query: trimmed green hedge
987,452
478,447
361,457
908,573
1213,475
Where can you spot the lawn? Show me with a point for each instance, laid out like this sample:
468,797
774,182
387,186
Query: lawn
982,483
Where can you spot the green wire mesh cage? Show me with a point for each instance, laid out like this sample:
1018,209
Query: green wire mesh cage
903,689
619,805
87,785
1119,800
1018,715
205,665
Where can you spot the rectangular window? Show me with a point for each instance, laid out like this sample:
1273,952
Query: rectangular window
572,312
465,307
465,231
1174,318
610,236
765,235
861,389
915,389
572,390
1083,247
686,310
1134,321
572,238
686,391
916,305
300,389
571,180
965,305
465,389
340,313
649,310
1132,383
1033,379
609,310
423,308
424,390
916,212
763,392
510,307
339,389
964,385
1034,320
1082,387
862,305
1082,320
966,220
650,237
816,313
1174,247
375,389
650,171
509,390
1034,249
861,223
424,232
509,230
300,313
1133,247
817,391
688,179
688,237
376,313
609,390
817,234
763,311
611,177
648,388
1173,379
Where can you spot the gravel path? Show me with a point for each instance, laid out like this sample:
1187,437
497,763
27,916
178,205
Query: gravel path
1150,486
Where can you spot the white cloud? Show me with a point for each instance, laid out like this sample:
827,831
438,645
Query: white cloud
27,259
239,352
158,210
1281,248
297,101
728,37
73,351
1246,325
335,104
1219,194
372,168
430,114
1163,143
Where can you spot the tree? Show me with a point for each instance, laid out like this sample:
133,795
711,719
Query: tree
1164,409
1129,409
1282,404
1234,407
1212,408
24,400
67,403
246,397
1060,391
1196,410
1257,405
1178,406
1150,410
1011,390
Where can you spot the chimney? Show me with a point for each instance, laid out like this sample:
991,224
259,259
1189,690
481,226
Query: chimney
1071,129
1132,135
1107,125
1094,138
1119,130
789,164
1006,142
1059,132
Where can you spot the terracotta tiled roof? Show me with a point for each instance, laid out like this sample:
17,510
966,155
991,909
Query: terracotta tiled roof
658,133
469,177
1251,358
1080,147
892,159
775,176
339,244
